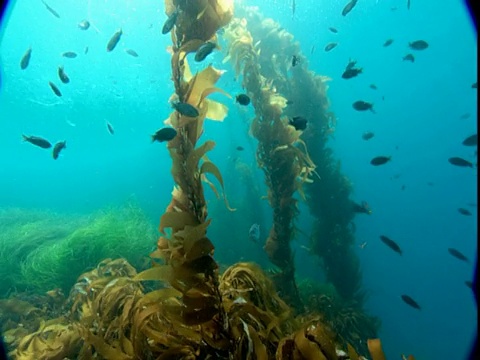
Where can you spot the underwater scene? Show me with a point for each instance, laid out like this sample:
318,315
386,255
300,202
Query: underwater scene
238,179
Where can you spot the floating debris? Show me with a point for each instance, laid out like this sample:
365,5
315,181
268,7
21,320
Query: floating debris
418,45
26,59
164,134
59,146
37,141
112,43
458,161
409,301
242,99
457,254
55,89
391,244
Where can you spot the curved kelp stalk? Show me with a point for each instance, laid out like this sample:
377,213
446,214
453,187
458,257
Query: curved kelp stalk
281,154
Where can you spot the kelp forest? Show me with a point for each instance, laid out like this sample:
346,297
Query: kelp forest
123,299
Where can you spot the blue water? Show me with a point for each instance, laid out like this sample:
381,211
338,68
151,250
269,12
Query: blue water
418,121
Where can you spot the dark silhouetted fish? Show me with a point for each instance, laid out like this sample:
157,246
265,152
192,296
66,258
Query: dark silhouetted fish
242,99
408,4
409,301
204,50
475,85
391,244
240,148
418,45
457,254
298,122
361,105
55,89
352,72
349,7
330,46
26,59
131,52
84,25
409,57
110,128
59,146
472,140
185,109
457,161
53,12
164,134
388,42
333,30
112,43
367,135
69,54
62,75
170,22
380,160
464,212
37,141
373,87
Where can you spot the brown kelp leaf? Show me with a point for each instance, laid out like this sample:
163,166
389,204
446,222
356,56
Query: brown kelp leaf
195,156
375,349
190,234
211,168
215,110
200,248
352,354
285,349
308,349
158,273
204,80
259,347
105,350
197,317
176,221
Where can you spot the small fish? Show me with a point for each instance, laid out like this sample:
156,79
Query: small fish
53,12
185,109
62,75
457,254
380,160
465,116
408,4
469,284
240,148
84,25
59,146
418,45
37,141
349,7
464,212
361,105
362,208
475,85
373,87
243,99
457,161
367,135
388,42
409,57
254,233
110,128
403,187
164,134
85,51
26,59
391,244
295,60
114,40
69,54
330,46
55,89
170,22
131,52
298,122
204,50
409,301
294,6
333,30
312,50
472,140
352,72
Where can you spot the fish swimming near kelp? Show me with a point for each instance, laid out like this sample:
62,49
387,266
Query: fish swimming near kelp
164,134
185,109
37,141
204,50
457,254
361,105
391,244
112,43
170,22
409,301
59,146
380,160
242,99
298,122
26,59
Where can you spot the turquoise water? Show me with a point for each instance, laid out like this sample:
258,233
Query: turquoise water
420,121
